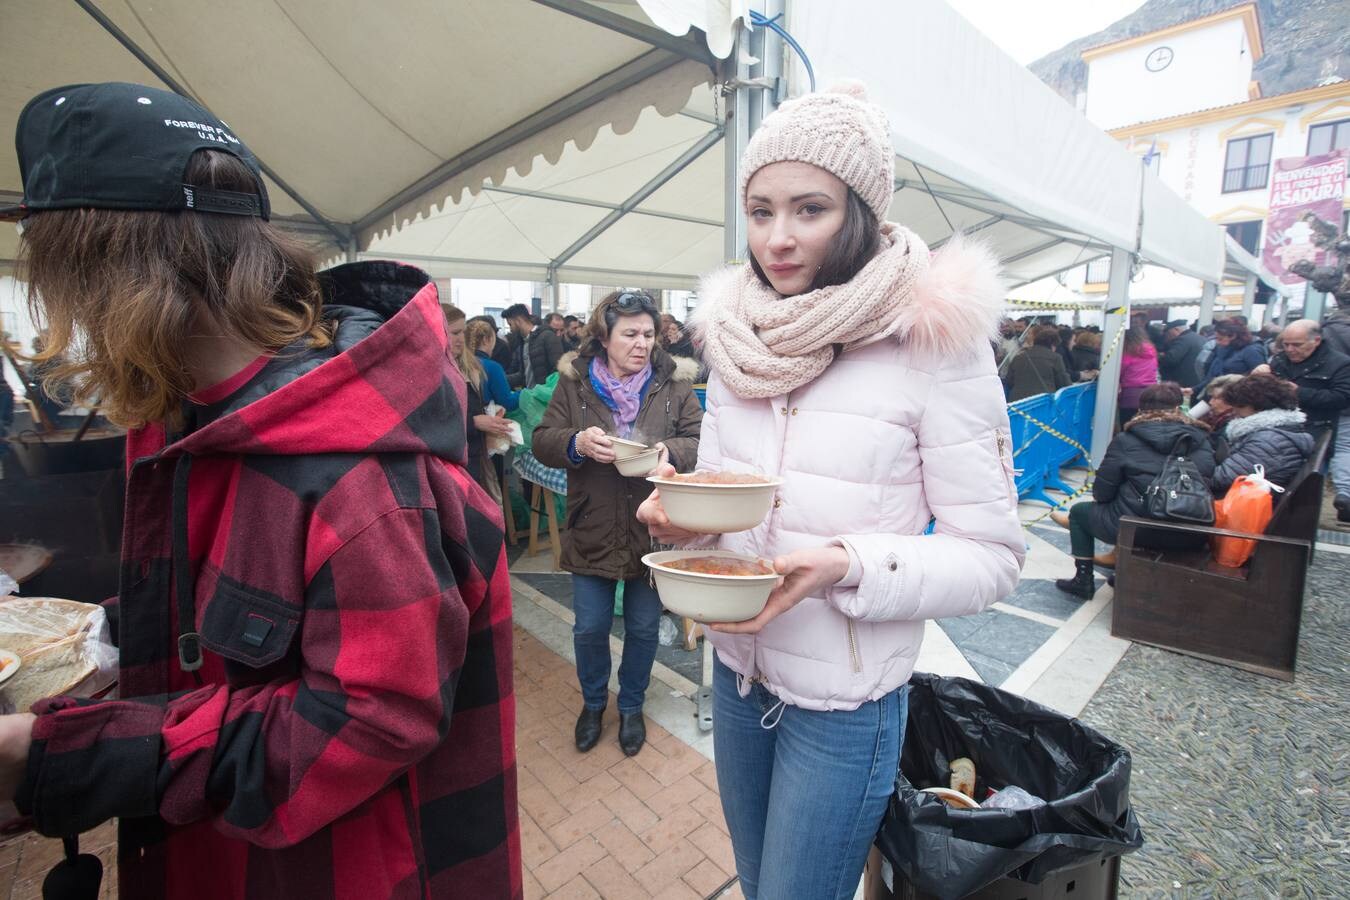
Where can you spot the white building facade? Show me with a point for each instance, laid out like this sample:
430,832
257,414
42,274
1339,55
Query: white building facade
1183,99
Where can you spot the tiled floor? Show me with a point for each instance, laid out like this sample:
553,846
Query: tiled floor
595,824
599,824
25,861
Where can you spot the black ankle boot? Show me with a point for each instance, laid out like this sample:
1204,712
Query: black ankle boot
632,733
588,728
1342,505
1081,584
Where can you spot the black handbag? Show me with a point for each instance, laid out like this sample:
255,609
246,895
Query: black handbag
1180,493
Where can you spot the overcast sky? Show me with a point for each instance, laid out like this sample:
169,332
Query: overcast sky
1029,29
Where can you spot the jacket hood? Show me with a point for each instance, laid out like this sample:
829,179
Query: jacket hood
385,384
1283,419
1160,432
575,364
956,303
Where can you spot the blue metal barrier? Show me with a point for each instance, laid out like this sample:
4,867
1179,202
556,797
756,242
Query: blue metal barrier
1038,453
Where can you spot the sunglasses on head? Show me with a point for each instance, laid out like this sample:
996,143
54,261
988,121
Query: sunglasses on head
630,300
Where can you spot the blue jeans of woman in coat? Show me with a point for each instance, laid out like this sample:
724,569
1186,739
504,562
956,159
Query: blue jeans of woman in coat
593,603
803,791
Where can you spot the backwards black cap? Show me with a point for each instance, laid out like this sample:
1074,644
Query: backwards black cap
123,146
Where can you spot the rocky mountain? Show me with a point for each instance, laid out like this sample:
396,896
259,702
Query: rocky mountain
1307,42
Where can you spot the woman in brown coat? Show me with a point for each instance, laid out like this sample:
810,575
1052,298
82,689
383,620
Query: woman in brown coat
620,383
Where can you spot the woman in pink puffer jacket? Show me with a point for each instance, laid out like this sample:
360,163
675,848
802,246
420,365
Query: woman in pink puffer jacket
856,366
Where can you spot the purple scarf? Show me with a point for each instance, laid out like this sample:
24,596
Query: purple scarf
622,395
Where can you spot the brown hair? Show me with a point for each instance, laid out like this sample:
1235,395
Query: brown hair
1136,336
1261,392
608,311
120,293
1045,336
852,248
1088,340
1161,396
1235,330
465,361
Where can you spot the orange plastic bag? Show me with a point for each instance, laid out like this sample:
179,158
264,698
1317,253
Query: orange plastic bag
1247,507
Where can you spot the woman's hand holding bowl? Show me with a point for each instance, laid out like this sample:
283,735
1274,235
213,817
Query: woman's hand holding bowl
653,515
594,444
806,573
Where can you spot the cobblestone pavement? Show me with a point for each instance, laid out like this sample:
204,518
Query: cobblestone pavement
1240,781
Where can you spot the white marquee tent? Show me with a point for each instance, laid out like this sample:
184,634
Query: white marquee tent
508,138
568,140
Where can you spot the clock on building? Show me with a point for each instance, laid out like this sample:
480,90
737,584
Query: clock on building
1158,59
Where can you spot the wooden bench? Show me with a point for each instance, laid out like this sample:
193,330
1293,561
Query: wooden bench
1246,617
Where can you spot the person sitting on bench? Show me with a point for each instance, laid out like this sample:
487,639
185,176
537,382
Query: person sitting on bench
1269,431
1133,460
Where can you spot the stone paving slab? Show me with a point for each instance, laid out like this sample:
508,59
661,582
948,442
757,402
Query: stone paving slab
1241,782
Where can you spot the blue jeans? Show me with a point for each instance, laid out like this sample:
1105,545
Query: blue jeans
804,798
1339,463
593,603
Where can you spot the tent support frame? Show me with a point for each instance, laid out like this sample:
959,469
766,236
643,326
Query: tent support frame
682,162
612,82
600,204
1117,317
341,235
688,47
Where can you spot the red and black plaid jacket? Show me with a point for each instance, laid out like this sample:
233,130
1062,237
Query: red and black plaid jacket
350,732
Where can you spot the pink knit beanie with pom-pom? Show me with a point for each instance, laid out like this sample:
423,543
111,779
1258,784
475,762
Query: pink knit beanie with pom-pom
837,130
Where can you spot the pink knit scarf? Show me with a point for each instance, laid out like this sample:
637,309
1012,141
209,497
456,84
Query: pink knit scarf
764,345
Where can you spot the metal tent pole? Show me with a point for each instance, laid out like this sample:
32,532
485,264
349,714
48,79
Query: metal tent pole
1248,295
1117,318
1208,293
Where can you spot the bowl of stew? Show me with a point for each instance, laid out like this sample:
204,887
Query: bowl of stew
716,502
711,585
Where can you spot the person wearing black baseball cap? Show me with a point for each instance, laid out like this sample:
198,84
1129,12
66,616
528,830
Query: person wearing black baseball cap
314,619
124,146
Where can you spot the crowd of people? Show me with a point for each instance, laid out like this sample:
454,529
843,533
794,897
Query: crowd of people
316,654
1235,403
315,624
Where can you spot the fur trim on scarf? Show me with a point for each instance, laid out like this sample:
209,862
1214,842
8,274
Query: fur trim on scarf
956,304
1266,418
1164,415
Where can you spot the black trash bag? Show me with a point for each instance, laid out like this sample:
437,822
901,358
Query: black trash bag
950,853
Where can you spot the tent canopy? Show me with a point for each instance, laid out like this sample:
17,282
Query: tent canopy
519,138
367,115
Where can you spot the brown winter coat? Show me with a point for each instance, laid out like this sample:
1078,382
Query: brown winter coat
603,535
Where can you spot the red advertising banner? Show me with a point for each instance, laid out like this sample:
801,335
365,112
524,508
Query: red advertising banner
1299,185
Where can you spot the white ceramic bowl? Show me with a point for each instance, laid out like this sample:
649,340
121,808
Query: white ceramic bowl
624,449
709,598
716,508
638,466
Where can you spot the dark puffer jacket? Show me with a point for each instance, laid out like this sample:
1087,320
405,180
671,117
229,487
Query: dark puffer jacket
1235,360
1179,361
603,535
1135,458
542,349
1323,381
1273,438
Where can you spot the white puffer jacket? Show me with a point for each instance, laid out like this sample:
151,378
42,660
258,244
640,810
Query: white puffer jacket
893,434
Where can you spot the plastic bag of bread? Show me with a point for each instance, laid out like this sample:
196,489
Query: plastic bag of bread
63,648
